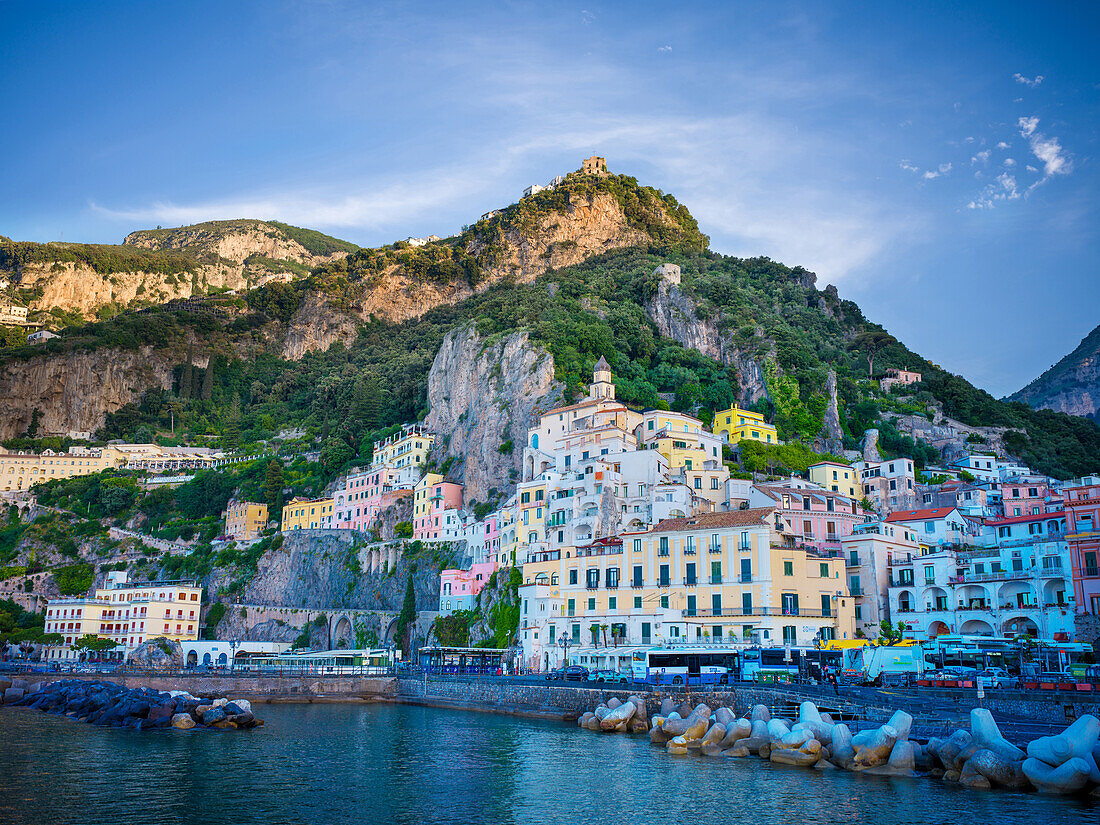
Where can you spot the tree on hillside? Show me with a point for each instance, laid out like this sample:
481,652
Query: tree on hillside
186,378
871,344
208,380
406,619
273,485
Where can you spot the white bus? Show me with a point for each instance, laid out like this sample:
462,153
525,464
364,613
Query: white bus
689,665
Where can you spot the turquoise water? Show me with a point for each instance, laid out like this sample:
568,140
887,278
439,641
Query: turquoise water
329,764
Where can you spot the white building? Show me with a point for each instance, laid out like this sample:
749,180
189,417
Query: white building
867,553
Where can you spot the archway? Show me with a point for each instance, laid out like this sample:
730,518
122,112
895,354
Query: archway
1020,626
937,628
206,660
342,636
192,658
390,629
905,602
976,627
1054,592
222,660
1016,594
973,597
935,598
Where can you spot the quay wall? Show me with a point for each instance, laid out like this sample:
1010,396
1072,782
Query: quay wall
266,688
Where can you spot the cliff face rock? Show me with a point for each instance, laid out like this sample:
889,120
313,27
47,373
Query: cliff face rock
77,287
317,326
831,437
589,225
1072,385
232,241
484,394
77,390
318,569
674,313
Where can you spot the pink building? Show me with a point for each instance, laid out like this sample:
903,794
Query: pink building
1082,499
435,508
1028,498
821,517
458,589
366,494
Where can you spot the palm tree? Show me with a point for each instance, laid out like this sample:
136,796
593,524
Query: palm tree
603,628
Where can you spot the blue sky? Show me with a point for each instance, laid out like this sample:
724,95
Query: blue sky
934,161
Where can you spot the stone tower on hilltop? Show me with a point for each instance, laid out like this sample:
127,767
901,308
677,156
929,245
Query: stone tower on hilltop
594,166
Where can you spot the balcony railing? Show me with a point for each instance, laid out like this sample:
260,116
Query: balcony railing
691,581
715,579
1092,571
745,578
663,582
637,583
760,611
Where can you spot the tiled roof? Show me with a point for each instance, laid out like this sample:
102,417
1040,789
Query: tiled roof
919,515
1025,519
716,521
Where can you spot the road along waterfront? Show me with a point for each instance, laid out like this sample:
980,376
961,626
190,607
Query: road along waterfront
331,763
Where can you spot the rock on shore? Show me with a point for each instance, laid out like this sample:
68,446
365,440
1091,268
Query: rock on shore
110,705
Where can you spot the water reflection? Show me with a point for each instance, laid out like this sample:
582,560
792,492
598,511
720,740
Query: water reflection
329,764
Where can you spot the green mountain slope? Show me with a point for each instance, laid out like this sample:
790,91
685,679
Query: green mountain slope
1070,386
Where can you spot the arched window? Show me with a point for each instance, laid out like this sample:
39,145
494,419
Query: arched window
535,440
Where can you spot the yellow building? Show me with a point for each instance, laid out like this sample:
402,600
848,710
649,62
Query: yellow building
407,448
128,614
837,477
694,455
21,471
530,517
422,505
719,577
245,520
307,514
736,424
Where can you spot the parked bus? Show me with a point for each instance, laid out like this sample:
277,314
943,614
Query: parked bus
702,665
772,664
331,662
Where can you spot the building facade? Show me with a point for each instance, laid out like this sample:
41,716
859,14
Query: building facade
735,424
245,520
308,514
1082,518
127,614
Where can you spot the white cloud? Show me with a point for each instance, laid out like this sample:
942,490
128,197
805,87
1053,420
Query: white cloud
1004,189
1028,81
940,171
1031,168
1010,162
1028,125
982,157
1002,145
1047,149
664,48
909,167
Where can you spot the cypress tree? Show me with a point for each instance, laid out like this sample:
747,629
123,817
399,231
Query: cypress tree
186,378
208,380
406,619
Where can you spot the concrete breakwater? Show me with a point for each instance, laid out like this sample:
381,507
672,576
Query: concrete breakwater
978,758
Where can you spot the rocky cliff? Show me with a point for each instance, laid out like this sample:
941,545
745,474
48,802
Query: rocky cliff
315,327
485,394
76,391
674,313
1072,385
221,254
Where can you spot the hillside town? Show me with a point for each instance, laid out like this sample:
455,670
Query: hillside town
627,531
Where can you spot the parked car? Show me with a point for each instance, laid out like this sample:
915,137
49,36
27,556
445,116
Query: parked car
609,676
572,673
996,677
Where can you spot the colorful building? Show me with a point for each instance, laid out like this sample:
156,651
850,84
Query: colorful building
819,518
867,552
458,589
1082,509
127,613
736,424
715,576
837,477
308,514
936,526
22,470
436,503
407,448
245,520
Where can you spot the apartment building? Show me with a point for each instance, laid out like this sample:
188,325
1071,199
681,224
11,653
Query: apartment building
1016,585
459,589
935,526
436,504
718,576
245,520
407,448
128,613
819,518
1082,518
365,494
735,424
889,485
308,514
22,470
867,552
837,478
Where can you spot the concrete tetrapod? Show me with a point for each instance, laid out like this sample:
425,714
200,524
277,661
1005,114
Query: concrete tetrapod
1069,777
874,749
619,717
984,730
995,769
710,744
1077,740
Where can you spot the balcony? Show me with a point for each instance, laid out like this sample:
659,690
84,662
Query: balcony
690,551
637,584
662,553
1091,571
691,581
663,582
715,579
744,547
745,578
758,611
715,550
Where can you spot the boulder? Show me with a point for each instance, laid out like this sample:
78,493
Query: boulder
761,713
213,715
737,730
582,720
4,685
1070,777
183,721
970,777
13,694
790,756
157,654
244,705
223,724
232,708
242,720
710,744
984,730
1004,773
161,712
618,717
601,711
725,716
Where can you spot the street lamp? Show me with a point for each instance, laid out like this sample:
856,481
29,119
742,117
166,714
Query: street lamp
564,641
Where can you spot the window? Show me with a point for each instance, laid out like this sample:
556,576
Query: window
826,605
573,576
789,634
824,567
645,632
662,547
745,544
663,582
572,607
637,602
929,574
591,605
746,603
637,545
689,577
612,603
805,502
716,572
788,568
664,602
930,527
691,606
859,613
746,570
592,577
576,634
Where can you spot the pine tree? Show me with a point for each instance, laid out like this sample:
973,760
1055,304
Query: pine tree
208,381
186,378
231,434
273,485
406,619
